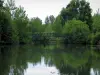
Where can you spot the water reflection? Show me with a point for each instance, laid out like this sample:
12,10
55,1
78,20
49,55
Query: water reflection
41,69
49,60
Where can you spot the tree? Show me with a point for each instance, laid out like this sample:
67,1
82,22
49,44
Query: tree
36,24
78,9
85,13
49,20
1,3
70,12
76,31
11,7
52,19
11,4
96,39
96,23
5,25
57,27
49,29
20,24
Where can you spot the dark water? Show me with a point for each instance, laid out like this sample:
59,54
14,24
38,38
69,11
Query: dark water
49,60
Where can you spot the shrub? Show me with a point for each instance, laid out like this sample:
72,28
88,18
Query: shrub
76,32
96,39
96,23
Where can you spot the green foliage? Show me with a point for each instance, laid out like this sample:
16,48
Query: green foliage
36,28
52,19
15,37
85,13
36,25
49,29
1,3
49,19
96,39
70,11
96,23
76,31
90,38
20,25
57,27
11,8
78,9
16,27
5,26
11,5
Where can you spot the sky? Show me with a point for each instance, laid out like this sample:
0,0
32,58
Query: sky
42,69
43,8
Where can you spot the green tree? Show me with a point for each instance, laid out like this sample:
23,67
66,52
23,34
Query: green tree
76,31
1,3
52,19
11,4
20,22
57,27
85,13
96,39
78,9
49,29
96,23
11,7
5,25
70,12
36,25
49,20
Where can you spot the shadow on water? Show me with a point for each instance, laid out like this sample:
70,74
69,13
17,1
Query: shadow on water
69,60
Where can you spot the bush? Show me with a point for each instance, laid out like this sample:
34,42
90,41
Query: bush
76,32
96,39
90,38
96,23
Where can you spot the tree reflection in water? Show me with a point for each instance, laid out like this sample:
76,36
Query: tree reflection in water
76,60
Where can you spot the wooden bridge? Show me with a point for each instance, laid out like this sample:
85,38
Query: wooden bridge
44,36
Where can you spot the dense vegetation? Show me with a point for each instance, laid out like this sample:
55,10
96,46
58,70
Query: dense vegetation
74,24
76,32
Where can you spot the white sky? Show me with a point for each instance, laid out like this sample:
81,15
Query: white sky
43,8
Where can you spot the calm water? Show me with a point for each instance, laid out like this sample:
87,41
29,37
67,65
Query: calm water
49,60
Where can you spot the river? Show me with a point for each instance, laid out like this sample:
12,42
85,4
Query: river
49,60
